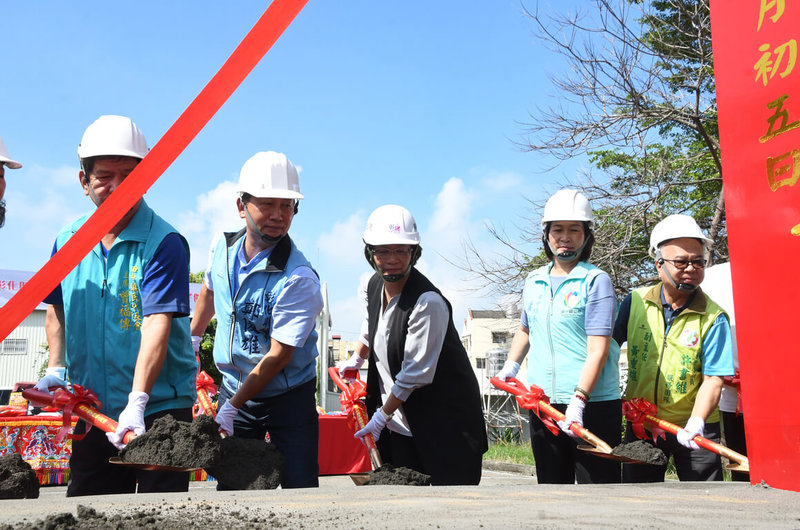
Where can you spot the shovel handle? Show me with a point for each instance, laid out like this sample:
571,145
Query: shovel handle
360,416
705,443
205,402
82,410
516,387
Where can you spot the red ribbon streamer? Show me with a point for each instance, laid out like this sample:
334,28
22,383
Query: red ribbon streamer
67,402
244,58
636,411
350,398
530,401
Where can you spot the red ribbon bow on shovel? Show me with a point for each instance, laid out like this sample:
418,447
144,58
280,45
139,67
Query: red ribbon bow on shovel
636,411
67,401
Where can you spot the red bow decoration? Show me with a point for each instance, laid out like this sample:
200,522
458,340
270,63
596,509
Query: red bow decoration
530,400
204,383
636,411
67,401
736,383
350,398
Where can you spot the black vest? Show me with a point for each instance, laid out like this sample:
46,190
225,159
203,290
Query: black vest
446,416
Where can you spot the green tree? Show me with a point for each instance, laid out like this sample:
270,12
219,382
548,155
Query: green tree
640,101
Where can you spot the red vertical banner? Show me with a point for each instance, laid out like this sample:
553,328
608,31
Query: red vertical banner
758,98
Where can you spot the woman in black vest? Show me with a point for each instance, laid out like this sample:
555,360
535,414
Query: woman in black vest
422,394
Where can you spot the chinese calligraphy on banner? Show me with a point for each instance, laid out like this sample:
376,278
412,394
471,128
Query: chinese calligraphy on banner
758,99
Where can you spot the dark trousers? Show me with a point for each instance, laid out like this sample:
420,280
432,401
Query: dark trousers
558,459
90,473
690,464
292,421
403,451
733,427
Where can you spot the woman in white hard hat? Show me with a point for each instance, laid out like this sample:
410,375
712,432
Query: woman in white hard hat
421,391
5,162
566,323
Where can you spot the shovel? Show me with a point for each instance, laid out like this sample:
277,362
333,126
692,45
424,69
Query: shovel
351,398
534,399
62,399
638,411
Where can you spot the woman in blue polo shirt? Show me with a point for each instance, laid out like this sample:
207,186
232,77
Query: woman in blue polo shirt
566,324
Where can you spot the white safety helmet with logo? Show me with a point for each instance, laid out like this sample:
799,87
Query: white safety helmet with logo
391,225
112,136
269,174
5,158
673,227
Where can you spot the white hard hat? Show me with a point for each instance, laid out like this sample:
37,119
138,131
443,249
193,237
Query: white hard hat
269,174
674,227
112,136
391,225
567,205
5,159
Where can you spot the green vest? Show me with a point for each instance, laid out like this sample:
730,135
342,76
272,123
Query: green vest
668,371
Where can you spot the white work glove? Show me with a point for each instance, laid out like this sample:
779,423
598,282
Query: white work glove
509,369
196,343
374,427
354,362
694,426
52,377
131,419
225,417
573,414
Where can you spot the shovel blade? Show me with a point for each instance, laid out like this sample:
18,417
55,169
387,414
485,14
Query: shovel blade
359,479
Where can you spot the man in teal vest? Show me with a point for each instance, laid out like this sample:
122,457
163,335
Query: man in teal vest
679,349
266,298
118,323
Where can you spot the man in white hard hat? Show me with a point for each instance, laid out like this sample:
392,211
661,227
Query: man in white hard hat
679,350
266,297
118,323
5,162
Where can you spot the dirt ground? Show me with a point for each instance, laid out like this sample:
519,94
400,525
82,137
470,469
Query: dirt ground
503,499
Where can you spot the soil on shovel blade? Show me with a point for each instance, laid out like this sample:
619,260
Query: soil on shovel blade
17,479
236,463
169,442
388,475
248,464
642,450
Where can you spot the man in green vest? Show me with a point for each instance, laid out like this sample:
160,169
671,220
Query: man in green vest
679,349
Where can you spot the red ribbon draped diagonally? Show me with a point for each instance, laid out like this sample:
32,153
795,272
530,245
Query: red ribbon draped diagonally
636,411
350,398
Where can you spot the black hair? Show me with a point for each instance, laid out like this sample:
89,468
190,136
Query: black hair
586,252
2,213
246,197
87,164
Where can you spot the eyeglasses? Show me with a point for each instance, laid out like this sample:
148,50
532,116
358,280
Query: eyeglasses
386,253
680,264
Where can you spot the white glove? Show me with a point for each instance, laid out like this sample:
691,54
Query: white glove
354,362
196,343
509,369
694,426
52,377
225,416
131,419
574,414
374,427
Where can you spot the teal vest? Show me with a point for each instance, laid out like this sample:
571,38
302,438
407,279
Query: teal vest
244,318
557,333
103,316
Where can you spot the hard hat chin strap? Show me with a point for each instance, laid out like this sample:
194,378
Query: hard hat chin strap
570,255
684,287
391,278
269,240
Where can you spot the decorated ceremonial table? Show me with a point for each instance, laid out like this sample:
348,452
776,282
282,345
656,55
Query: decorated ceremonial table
35,438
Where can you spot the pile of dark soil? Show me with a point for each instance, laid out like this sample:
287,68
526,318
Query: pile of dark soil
642,450
248,464
17,479
172,517
169,442
388,475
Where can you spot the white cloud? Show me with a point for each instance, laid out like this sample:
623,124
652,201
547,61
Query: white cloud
215,212
342,244
502,181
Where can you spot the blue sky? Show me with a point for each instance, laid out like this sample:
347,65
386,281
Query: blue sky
414,103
